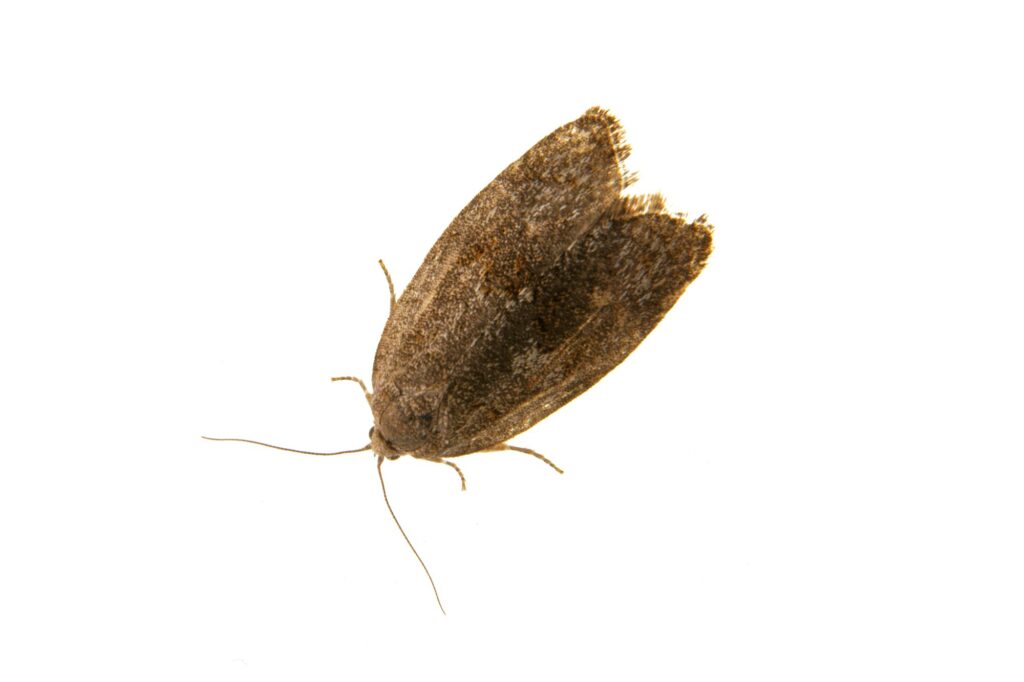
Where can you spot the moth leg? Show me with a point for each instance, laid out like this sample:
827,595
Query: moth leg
453,465
361,385
391,286
528,451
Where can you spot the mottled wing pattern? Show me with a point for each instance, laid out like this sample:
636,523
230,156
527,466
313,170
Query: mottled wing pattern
575,323
488,261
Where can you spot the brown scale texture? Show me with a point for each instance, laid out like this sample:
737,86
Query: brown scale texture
547,280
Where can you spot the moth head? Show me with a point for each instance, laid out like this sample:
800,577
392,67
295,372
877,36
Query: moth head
382,446
402,424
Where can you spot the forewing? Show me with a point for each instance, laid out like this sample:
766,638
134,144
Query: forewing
512,232
580,319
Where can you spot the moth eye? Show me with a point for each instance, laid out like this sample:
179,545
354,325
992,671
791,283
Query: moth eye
371,433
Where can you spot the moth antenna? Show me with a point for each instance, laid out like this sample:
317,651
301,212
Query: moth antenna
301,452
391,290
369,396
380,475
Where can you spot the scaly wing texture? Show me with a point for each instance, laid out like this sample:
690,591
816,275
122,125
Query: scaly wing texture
575,323
488,260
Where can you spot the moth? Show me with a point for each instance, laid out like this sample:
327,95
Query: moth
546,281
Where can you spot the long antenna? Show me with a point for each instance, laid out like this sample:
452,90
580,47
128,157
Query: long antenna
380,475
301,452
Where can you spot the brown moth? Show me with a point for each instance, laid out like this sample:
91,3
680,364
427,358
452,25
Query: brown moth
547,280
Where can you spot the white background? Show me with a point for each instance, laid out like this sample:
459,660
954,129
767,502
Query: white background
812,470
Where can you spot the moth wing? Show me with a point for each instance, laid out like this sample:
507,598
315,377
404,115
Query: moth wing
580,319
512,232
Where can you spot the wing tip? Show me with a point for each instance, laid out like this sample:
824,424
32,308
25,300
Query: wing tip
617,135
